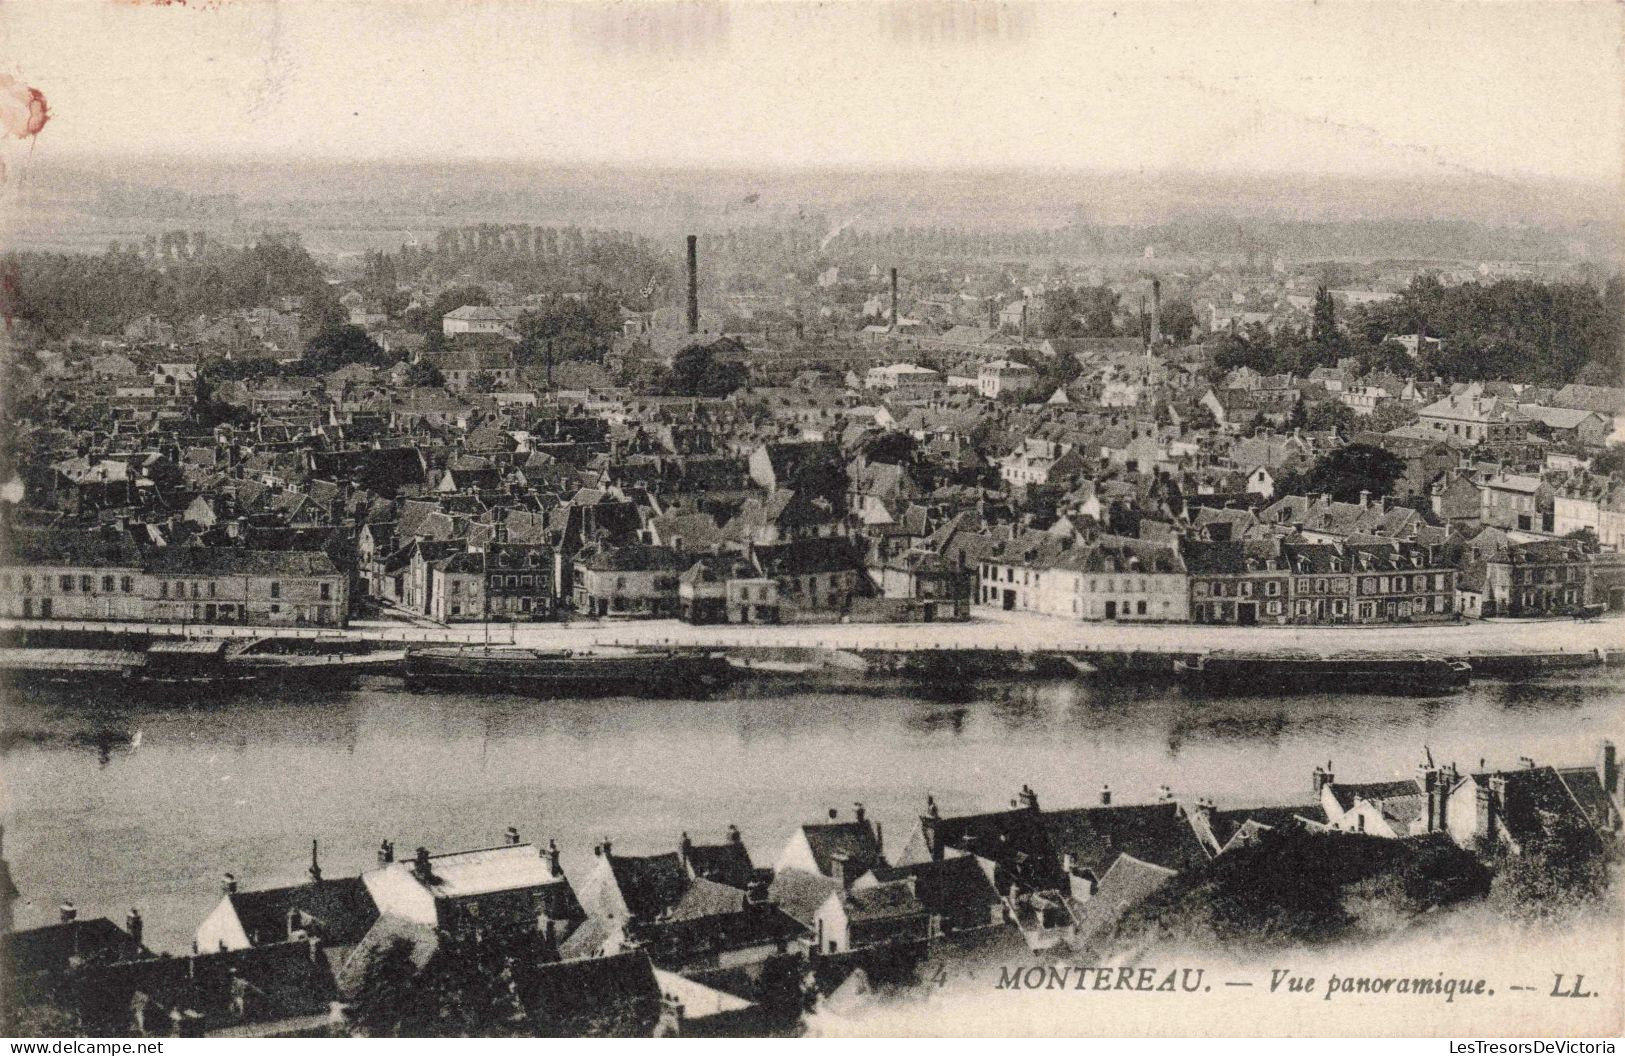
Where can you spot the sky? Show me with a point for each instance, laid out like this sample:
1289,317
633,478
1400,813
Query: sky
1519,89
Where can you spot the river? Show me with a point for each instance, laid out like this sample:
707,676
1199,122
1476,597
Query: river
116,804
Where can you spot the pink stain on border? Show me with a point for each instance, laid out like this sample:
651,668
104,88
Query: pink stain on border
23,110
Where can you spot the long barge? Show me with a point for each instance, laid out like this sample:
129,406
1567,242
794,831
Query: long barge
1405,673
568,672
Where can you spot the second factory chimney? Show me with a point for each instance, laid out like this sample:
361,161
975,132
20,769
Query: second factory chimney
894,300
1156,312
693,284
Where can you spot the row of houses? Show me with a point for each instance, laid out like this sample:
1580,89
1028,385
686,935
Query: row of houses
85,576
704,921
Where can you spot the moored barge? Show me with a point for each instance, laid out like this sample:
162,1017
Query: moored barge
1291,671
567,672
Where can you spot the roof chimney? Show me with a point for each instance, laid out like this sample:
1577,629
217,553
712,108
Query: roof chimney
315,865
420,863
69,912
693,284
552,856
1105,795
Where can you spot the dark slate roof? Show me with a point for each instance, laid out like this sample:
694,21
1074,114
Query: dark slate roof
207,561
50,949
339,911
1156,833
884,901
649,884
1372,792
561,999
949,887
855,839
286,981
800,893
1017,840
726,863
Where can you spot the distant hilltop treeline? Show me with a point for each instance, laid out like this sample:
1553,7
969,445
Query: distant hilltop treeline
361,197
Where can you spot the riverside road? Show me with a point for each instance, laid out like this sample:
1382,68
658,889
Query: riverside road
1022,632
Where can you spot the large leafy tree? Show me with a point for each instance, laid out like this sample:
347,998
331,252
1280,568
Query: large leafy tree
696,371
1347,472
338,346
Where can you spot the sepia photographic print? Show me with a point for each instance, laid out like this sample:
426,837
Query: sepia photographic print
914,518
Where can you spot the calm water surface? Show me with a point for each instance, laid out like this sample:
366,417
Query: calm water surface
115,804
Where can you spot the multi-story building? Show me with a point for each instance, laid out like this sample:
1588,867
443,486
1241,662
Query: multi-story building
1115,578
1243,582
1400,582
519,582
1005,375
1473,420
66,575
1548,577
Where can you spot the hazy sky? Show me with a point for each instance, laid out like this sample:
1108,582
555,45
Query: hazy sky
1519,88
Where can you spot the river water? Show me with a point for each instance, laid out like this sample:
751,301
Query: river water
115,804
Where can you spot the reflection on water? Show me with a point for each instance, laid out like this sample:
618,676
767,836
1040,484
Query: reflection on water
116,804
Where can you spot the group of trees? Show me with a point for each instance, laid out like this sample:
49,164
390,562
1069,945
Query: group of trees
62,293
1516,330
1345,473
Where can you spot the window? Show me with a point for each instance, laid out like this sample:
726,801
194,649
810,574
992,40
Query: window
195,591
1139,608
513,581
1320,586
28,584
163,588
327,592
276,590
1303,586
66,583
456,587
496,581
211,588
85,584
1272,588
107,584
1201,590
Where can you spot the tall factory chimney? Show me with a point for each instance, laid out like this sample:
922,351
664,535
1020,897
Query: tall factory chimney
894,300
693,284
1156,312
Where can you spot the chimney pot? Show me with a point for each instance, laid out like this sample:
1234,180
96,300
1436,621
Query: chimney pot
68,913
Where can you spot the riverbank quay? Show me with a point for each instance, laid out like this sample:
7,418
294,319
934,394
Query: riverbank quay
1503,644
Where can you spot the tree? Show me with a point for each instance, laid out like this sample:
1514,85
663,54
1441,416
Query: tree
695,371
892,447
1178,320
482,381
428,319
1347,472
338,346
424,374
1321,416
568,328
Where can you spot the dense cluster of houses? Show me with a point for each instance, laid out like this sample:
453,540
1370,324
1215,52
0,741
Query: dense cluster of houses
697,927
911,471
